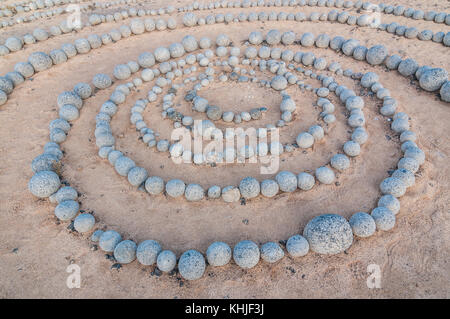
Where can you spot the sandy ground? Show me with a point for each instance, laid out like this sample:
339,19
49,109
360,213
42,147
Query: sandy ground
35,249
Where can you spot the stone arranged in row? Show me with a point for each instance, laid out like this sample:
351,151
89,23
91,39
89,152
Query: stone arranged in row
315,133
138,176
325,234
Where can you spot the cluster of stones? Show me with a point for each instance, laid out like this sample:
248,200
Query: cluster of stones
13,19
249,187
325,234
16,43
430,79
287,107
136,27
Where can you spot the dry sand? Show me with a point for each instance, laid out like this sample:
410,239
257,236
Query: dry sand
35,249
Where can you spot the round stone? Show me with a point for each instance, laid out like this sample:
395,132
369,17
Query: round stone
24,68
415,153
352,148
393,61
190,19
44,183
218,254
231,194
137,175
14,44
191,265
194,193
325,175
363,225
40,61
340,162
246,254
408,67
307,39
393,186
369,79
297,246
122,72
147,252
432,80
305,181
390,202
123,165
44,162
271,252
189,43
287,181
384,218
102,81
175,188
273,37
83,90
328,234
6,85
84,223
125,252
66,210
376,54
405,176
166,261
305,140
269,188
278,83
109,240
249,187
214,192
63,194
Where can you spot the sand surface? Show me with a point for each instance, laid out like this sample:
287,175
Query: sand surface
35,248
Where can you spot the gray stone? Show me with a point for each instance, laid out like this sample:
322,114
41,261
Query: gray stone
123,165
445,91
191,265
125,252
218,254
194,192
328,234
166,261
147,252
376,55
297,246
246,254
249,188
84,223
393,186
305,181
340,162
363,225
432,80
384,218
269,188
408,67
287,181
44,183
109,240
271,252
66,210
325,175
231,194
175,187
137,175
390,202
